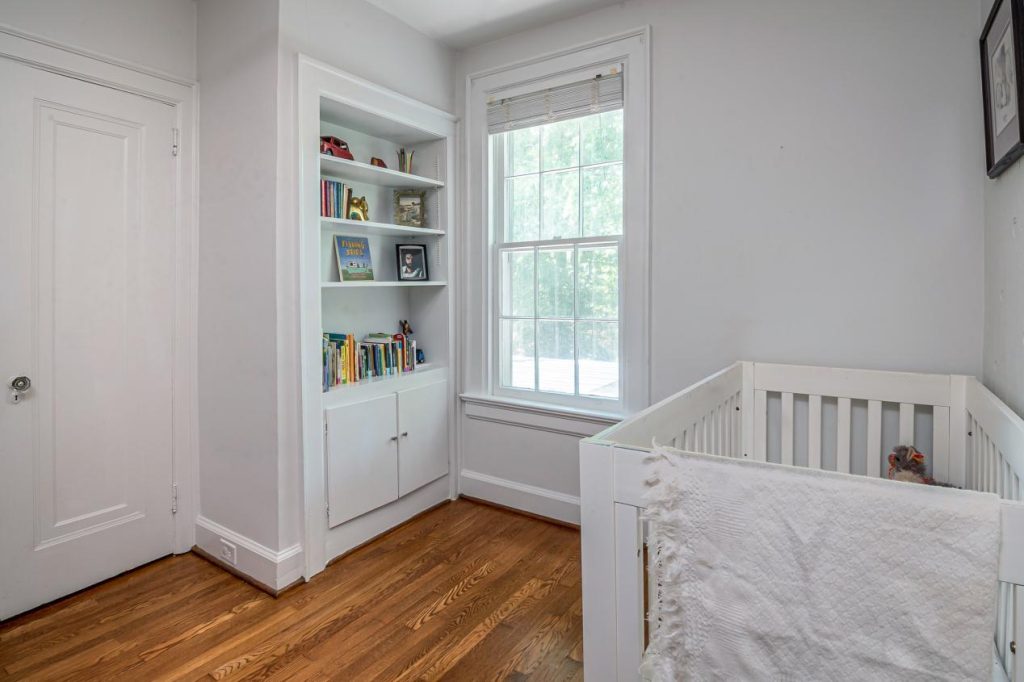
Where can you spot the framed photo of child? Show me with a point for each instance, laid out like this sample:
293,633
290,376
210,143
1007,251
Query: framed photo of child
412,262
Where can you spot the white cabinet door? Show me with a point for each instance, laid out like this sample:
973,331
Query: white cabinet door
423,430
362,458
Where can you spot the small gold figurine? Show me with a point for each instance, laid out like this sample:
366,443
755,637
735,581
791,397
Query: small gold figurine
358,210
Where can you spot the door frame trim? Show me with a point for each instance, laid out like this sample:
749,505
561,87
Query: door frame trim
182,94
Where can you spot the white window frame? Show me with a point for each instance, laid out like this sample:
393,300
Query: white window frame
629,51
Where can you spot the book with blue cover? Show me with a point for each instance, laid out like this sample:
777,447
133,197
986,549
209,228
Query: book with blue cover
353,255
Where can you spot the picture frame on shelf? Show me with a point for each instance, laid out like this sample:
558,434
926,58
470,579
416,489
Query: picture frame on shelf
1002,78
410,207
412,262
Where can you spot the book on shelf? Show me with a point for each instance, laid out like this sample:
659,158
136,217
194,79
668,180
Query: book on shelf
353,255
335,198
347,361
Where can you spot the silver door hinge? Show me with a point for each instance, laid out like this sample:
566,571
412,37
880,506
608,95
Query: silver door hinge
175,141
174,498
328,511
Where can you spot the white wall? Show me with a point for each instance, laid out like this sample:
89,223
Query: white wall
1004,286
250,439
1004,280
158,34
237,267
817,183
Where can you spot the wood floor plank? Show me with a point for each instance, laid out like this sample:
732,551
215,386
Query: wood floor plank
464,592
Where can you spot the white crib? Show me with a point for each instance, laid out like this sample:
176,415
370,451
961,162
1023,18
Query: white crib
841,419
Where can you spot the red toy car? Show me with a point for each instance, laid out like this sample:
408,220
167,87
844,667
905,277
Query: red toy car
335,147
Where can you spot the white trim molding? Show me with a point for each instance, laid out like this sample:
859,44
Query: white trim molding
275,570
182,94
631,49
553,419
522,496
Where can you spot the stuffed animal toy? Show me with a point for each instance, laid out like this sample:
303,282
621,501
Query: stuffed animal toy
907,463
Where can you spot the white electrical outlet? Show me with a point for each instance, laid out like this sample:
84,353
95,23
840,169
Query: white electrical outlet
228,552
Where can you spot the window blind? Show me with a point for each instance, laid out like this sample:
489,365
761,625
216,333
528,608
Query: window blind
591,96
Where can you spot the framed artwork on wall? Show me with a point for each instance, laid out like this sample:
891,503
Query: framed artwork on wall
1002,66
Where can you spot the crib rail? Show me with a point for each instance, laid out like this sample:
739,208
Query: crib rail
819,417
855,434
995,464
706,417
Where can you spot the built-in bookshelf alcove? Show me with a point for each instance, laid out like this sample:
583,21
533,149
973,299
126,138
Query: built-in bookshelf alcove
377,424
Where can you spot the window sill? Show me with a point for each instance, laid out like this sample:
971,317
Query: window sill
540,416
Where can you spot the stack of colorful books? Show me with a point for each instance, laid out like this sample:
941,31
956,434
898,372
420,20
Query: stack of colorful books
347,361
334,199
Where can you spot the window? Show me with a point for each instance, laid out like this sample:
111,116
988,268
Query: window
557,200
556,243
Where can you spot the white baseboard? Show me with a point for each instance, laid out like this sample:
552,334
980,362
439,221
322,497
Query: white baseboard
529,498
274,570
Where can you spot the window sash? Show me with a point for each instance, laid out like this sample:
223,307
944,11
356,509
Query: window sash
501,246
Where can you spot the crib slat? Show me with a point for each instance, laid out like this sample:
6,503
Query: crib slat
729,419
843,436
986,464
723,429
1001,484
712,430
737,425
992,466
760,425
814,431
787,428
874,451
975,444
940,443
906,424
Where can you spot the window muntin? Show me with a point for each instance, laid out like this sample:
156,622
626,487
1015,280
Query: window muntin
558,245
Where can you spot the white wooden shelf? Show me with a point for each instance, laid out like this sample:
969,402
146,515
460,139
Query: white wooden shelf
363,390
357,171
380,283
370,227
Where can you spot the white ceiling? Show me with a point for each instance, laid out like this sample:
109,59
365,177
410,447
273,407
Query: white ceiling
462,23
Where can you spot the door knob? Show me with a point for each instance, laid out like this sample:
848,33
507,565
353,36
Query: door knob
18,386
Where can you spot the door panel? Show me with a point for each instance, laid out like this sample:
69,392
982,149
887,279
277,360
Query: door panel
362,458
87,225
423,442
85,246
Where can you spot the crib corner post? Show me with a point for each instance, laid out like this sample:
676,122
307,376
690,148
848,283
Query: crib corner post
958,446
597,535
747,411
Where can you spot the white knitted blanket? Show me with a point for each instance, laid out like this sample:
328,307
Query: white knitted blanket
770,572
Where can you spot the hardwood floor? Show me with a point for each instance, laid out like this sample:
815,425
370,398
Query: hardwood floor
464,592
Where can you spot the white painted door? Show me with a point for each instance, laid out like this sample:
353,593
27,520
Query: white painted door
87,223
362,458
423,436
